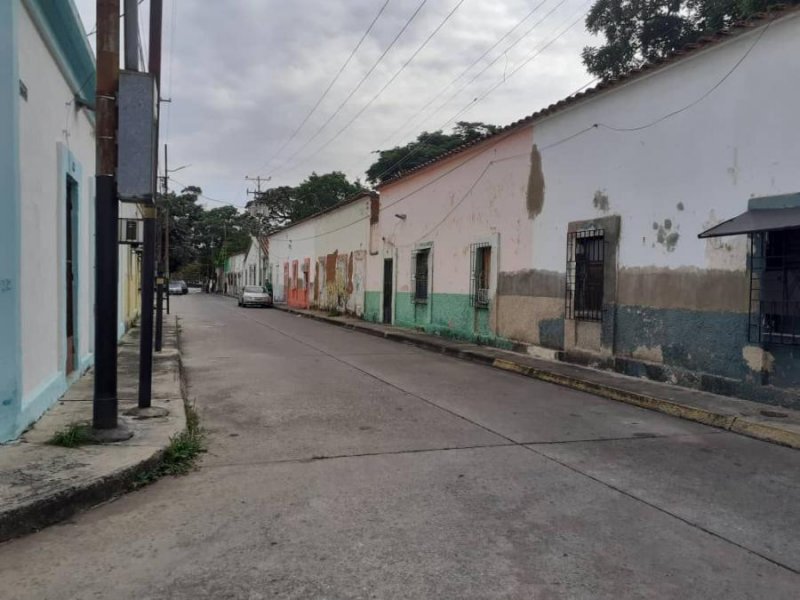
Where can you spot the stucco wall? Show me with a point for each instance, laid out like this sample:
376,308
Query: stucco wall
55,140
479,196
680,302
335,244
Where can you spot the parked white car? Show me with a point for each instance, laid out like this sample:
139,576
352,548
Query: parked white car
255,295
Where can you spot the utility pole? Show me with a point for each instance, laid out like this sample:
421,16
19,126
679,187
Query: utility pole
148,239
156,9
258,179
104,407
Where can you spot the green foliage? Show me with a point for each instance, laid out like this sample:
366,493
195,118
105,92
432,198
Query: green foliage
641,31
72,436
199,238
427,146
181,455
283,205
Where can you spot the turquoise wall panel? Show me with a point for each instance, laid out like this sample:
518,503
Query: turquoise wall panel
10,335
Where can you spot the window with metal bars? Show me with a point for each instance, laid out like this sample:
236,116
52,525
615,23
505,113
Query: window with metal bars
419,274
775,287
480,267
585,274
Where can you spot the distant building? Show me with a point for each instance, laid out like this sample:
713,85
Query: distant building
47,162
586,231
321,261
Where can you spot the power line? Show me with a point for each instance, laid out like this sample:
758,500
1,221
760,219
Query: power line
330,85
386,85
553,144
360,83
419,145
465,71
201,195
460,75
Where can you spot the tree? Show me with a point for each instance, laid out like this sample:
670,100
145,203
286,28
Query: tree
640,31
427,146
277,207
318,192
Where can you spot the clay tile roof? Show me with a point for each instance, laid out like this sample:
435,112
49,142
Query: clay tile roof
775,12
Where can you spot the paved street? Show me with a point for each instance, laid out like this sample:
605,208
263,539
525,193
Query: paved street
342,465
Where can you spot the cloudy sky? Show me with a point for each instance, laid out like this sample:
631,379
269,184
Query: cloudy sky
244,74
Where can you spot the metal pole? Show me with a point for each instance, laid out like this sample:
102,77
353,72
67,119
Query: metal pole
160,276
131,35
104,408
146,334
154,66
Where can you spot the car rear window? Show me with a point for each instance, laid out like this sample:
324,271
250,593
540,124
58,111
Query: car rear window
255,289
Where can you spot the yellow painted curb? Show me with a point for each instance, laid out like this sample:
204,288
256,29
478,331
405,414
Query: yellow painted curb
767,432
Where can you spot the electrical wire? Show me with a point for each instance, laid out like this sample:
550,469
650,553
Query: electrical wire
422,144
383,89
209,198
359,84
328,89
460,75
488,66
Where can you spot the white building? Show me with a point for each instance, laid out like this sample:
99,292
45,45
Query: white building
321,261
47,159
576,229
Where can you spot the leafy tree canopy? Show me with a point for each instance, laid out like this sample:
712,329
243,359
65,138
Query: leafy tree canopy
280,206
426,147
200,238
640,31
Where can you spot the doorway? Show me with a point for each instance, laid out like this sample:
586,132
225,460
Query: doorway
388,275
72,188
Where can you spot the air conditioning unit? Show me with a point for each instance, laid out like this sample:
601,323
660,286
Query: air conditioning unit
131,231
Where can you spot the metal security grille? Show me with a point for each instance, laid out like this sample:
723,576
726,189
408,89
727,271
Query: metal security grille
585,266
419,274
775,287
480,261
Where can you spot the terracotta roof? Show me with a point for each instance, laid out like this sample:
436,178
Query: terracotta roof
755,21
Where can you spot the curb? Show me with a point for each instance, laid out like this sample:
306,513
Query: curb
737,424
66,503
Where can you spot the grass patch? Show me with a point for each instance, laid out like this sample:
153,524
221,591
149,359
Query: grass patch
182,453
72,436
334,312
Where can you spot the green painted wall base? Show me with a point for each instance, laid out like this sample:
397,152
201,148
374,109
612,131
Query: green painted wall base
446,315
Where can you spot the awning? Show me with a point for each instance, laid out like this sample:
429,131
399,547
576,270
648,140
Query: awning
762,219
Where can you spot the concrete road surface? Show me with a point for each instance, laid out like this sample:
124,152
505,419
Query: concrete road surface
346,466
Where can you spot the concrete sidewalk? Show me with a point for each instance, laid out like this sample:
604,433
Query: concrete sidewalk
41,484
754,419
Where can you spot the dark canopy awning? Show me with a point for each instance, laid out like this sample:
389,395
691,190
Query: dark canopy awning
762,219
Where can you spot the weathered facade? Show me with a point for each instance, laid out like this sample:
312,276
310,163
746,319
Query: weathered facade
321,261
47,162
576,229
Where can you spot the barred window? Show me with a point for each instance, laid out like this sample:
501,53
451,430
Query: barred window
775,287
585,274
419,274
481,260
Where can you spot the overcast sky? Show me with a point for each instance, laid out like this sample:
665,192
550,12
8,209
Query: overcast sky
243,74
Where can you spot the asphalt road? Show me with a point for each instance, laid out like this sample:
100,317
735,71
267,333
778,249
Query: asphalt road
346,466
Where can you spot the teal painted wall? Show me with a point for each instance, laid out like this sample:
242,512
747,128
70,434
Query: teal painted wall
372,307
448,315
10,335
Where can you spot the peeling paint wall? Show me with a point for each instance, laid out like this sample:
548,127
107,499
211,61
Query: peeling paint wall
681,306
334,247
479,196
